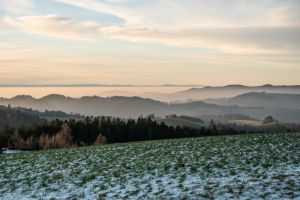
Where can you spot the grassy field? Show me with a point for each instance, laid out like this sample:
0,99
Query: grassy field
261,166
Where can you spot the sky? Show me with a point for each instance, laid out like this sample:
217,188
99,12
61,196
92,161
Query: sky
206,42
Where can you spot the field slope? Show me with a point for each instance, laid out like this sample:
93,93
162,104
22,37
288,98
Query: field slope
260,166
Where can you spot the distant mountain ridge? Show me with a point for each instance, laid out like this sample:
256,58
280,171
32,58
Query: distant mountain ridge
260,99
194,93
132,107
232,90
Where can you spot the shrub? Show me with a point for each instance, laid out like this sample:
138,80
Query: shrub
62,139
100,139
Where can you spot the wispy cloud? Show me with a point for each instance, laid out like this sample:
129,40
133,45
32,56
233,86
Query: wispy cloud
235,26
16,6
108,7
54,26
200,13
229,40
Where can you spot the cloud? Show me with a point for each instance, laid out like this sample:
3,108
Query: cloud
198,13
117,1
237,27
54,26
16,6
248,26
112,7
228,40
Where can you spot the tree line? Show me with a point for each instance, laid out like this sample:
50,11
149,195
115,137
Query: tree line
97,130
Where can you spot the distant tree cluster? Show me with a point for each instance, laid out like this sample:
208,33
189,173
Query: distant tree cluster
193,119
268,120
99,130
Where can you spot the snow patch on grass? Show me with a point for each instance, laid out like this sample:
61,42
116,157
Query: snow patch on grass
260,166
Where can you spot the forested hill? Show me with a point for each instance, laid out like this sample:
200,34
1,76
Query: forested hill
24,132
16,117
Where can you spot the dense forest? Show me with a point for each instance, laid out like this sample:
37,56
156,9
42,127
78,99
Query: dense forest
65,133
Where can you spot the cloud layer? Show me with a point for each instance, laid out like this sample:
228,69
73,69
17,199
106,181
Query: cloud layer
55,26
235,26
200,13
248,24
16,6
230,40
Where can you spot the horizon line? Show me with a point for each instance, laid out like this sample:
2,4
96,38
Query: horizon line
134,85
100,85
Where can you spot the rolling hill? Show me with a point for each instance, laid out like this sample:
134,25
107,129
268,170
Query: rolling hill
16,117
132,107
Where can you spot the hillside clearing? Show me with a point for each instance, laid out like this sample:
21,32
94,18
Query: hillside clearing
256,166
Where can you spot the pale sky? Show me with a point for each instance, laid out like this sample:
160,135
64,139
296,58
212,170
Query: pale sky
209,42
